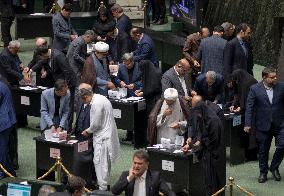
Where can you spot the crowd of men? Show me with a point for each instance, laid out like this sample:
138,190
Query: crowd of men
180,104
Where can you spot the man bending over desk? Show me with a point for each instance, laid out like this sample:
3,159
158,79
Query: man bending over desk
54,108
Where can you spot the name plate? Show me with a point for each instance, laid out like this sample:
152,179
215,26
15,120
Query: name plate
83,146
25,100
54,153
168,165
237,120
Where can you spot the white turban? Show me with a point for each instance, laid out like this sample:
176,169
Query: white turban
171,94
101,47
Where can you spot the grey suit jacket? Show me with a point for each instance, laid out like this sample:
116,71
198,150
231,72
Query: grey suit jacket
47,109
170,79
76,55
211,54
62,30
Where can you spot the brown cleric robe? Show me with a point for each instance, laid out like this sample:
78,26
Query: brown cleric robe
152,128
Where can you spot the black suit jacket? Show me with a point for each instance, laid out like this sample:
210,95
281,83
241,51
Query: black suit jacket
235,58
10,67
61,68
154,185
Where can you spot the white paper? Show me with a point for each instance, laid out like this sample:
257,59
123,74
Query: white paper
178,151
25,100
72,141
117,113
37,14
28,88
237,120
134,98
54,153
168,165
83,146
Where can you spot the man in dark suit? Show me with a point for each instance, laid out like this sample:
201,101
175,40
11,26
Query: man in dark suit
145,48
8,8
139,180
238,51
210,86
123,21
119,43
178,77
63,32
129,75
265,107
11,67
211,51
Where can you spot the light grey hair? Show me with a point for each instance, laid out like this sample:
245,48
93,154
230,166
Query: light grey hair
211,74
14,44
89,32
45,190
227,26
85,92
127,56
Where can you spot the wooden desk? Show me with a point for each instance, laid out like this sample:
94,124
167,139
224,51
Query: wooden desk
233,138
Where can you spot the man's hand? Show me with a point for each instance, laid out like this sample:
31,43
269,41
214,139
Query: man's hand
187,98
174,125
130,86
110,85
138,93
122,84
59,129
247,129
85,133
73,37
193,93
43,74
167,112
232,109
196,64
27,79
53,129
185,148
131,175
189,141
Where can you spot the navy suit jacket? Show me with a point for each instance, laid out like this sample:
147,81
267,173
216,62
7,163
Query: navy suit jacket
124,24
7,113
122,75
235,58
265,112
201,87
145,50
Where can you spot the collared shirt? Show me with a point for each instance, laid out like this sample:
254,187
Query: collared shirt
243,45
269,91
140,185
182,81
141,38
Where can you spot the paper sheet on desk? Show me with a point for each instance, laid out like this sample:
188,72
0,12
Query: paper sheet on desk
178,151
37,14
134,98
28,88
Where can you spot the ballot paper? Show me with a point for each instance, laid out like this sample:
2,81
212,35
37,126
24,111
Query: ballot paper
28,88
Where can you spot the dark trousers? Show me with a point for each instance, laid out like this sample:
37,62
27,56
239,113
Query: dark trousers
4,152
264,141
159,9
71,107
6,23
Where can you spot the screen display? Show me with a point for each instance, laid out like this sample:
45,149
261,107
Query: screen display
18,190
185,9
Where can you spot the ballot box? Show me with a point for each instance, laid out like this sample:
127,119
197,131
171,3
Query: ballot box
181,170
27,100
48,151
29,26
233,130
130,114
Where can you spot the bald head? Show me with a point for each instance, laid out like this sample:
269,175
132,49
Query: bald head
182,67
41,42
195,100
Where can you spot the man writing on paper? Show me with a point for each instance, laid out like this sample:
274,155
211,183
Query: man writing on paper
105,137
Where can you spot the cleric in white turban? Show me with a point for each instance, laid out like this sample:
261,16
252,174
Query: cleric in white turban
101,47
168,119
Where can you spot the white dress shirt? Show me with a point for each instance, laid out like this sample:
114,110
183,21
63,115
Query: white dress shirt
269,91
140,185
182,81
